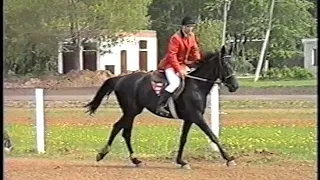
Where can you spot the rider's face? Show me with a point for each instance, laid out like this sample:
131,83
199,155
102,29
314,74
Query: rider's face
187,28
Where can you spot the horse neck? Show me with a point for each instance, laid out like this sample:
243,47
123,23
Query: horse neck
206,71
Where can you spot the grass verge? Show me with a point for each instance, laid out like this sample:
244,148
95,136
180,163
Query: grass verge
296,143
248,82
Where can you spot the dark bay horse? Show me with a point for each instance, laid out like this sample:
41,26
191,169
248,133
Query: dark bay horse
134,93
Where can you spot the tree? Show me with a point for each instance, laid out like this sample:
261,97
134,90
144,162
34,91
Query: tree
34,28
166,17
292,21
30,30
209,33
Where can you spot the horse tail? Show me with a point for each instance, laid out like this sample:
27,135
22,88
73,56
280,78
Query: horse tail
105,89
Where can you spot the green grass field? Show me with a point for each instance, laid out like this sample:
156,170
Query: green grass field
285,129
160,142
261,104
248,82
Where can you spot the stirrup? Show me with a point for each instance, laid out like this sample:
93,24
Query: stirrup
162,111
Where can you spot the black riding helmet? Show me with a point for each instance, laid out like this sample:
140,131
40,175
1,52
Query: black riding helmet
187,20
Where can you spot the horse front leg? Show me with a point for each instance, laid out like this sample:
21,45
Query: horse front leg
206,129
183,139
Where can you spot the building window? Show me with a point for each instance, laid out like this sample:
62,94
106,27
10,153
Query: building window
109,68
314,57
143,44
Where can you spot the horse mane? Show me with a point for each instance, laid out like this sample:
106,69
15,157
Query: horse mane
207,56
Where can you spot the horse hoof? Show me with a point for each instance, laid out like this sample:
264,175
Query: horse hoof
8,150
136,162
138,165
99,157
231,163
161,113
187,166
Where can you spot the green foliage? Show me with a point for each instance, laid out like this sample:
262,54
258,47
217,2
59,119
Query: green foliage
292,21
243,66
288,73
209,33
34,28
30,36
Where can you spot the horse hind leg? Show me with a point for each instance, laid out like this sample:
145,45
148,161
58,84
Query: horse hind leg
125,123
130,110
115,130
126,134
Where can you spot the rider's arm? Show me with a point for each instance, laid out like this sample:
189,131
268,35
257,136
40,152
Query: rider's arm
173,49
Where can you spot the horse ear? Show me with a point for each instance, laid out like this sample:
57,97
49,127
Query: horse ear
245,39
230,50
223,50
235,42
228,39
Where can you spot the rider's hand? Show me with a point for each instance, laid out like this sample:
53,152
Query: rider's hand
189,62
182,74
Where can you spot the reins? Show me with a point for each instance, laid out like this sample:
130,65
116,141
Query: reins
218,81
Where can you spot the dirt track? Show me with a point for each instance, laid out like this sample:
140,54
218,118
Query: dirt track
37,169
86,94
240,91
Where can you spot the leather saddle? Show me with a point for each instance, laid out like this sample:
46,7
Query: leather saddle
159,82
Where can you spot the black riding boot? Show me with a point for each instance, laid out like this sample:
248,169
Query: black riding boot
164,96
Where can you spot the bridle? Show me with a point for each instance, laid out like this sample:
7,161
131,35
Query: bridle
218,81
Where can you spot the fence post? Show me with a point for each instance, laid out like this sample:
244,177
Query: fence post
40,126
215,121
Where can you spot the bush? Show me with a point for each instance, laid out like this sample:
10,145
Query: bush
288,73
242,66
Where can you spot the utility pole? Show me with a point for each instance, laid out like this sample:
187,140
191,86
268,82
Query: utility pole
264,46
225,14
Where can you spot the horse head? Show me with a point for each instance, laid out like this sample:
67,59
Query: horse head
218,65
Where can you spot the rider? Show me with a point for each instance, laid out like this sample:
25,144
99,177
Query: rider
181,51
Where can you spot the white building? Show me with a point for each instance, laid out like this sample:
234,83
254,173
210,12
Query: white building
135,52
310,48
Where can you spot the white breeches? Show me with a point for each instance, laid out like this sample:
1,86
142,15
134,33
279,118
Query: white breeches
174,80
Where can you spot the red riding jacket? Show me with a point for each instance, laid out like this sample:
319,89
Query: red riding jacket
181,51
